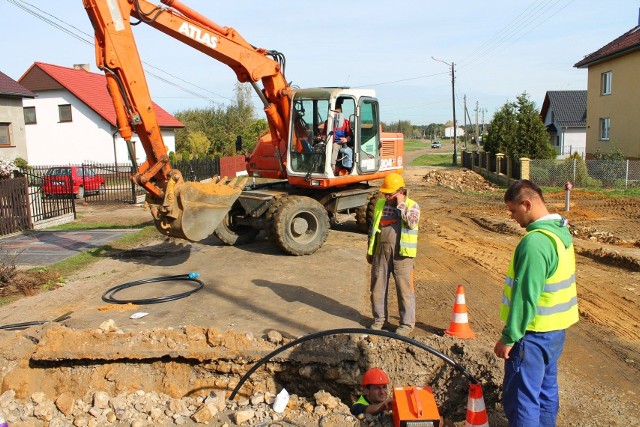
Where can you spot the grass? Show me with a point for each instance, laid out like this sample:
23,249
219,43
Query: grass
416,144
434,160
92,226
77,262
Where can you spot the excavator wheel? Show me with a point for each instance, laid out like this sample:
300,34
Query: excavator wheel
233,234
300,225
364,214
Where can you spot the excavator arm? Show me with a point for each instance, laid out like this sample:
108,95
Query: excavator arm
180,209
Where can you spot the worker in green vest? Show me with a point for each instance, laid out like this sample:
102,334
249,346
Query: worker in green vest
393,243
539,303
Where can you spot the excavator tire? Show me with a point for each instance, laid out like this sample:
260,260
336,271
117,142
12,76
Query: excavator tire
269,215
232,234
364,214
300,226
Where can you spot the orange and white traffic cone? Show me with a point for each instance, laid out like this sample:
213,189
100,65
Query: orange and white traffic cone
476,411
459,326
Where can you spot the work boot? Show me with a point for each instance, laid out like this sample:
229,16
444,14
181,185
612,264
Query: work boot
404,330
377,325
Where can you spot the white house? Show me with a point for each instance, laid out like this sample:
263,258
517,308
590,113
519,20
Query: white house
564,113
73,120
448,132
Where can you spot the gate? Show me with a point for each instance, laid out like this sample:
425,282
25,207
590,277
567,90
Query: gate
14,206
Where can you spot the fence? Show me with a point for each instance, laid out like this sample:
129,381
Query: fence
28,203
586,173
555,173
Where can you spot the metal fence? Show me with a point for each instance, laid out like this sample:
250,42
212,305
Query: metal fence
586,173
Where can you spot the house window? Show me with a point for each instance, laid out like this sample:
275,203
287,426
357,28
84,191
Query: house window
605,127
606,83
64,111
29,115
5,134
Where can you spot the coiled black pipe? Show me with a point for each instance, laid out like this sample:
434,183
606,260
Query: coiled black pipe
108,296
362,331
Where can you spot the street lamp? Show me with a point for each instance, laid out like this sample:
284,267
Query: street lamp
453,102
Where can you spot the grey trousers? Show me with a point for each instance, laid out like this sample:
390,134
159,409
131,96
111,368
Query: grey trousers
386,262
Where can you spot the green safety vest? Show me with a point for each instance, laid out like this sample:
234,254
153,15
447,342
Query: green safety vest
408,237
557,307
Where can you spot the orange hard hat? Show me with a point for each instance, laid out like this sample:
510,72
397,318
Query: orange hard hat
375,376
392,183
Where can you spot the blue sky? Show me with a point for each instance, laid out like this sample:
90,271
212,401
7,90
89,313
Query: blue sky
500,48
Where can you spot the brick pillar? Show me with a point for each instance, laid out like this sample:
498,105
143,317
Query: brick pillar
525,168
509,169
499,160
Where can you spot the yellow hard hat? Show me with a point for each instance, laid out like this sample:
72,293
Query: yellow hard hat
392,183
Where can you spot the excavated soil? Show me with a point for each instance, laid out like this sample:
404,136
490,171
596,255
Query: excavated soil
257,300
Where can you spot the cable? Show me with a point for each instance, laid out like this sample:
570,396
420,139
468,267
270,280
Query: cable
362,331
24,325
108,296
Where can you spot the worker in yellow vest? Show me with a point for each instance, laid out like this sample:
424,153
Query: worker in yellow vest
393,243
539,303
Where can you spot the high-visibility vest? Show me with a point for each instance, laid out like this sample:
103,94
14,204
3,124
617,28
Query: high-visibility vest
408,237
362,401
557,307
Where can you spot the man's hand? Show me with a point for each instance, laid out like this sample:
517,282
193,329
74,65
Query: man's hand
502,350
369,258
400,197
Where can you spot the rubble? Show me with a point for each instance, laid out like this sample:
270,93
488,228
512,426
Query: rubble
463,180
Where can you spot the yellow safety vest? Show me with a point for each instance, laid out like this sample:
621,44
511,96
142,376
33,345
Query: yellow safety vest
557,307
408,237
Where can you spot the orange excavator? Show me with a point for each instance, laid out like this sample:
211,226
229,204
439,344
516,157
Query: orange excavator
322,148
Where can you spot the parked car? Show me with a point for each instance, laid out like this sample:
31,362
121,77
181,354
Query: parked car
72,180
436,144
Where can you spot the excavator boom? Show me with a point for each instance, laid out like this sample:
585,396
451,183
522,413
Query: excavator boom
180,209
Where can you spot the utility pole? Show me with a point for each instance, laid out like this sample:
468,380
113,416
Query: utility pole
453,102
464,114
477,134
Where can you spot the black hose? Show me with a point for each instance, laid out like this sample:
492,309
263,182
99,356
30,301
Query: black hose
192,277
363,331
24,325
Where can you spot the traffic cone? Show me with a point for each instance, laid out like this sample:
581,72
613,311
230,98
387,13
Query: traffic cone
476,411
459,326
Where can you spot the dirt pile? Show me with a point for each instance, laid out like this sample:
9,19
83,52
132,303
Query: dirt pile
462,180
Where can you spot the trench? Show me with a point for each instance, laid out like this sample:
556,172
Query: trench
197,361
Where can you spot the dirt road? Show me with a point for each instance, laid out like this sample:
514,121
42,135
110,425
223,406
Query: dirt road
466,238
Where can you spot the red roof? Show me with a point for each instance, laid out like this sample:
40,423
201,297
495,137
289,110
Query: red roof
628,42
91,88
10,87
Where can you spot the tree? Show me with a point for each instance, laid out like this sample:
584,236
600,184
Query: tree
220,126
518,131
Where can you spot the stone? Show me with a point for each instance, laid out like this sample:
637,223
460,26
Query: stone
101,400
243,416
65,403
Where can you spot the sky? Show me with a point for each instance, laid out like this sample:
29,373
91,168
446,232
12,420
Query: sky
403,49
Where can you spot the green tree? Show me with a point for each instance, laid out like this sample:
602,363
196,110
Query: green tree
502,129
198,145
518,131
221,126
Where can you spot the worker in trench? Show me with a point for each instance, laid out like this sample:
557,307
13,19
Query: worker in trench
374,403
538,304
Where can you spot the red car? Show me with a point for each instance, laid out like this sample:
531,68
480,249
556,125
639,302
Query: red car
76,180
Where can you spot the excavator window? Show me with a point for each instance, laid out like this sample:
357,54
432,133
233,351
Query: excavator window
307,152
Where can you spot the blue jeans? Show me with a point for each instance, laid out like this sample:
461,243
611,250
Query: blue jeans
530,387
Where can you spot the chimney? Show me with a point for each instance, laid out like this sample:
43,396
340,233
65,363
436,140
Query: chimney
84,67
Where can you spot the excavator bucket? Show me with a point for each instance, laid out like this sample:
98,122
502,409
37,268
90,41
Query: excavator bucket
193,210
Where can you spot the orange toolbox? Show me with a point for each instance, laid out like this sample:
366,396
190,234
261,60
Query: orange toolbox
415,407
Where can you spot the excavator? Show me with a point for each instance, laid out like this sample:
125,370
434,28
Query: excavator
295,187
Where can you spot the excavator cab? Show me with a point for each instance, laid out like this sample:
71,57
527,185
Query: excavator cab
318,120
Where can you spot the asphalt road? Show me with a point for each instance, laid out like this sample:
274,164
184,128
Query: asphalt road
43,248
